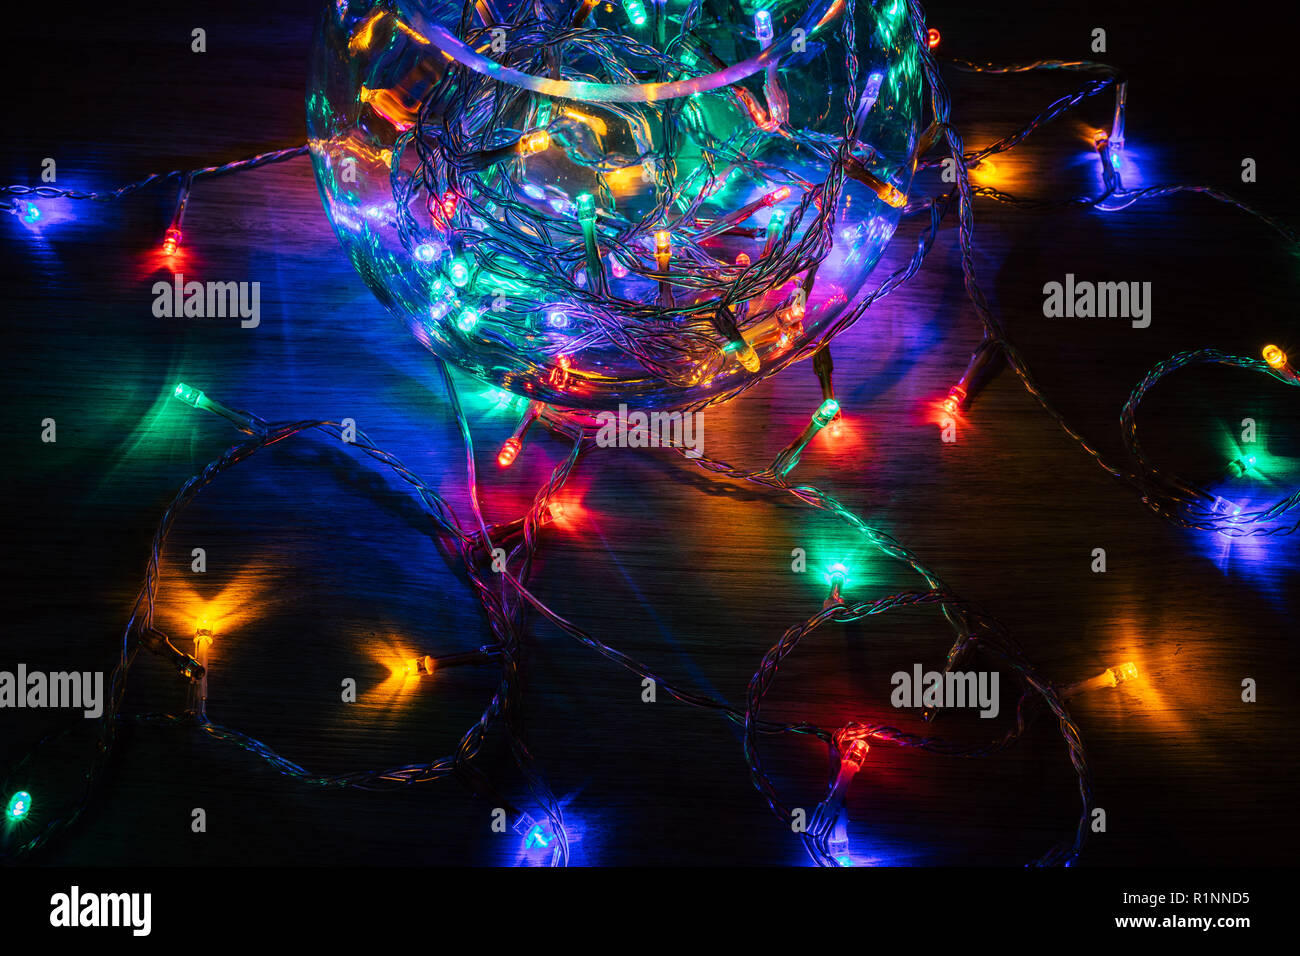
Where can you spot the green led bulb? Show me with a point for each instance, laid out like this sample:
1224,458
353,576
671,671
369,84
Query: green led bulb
827,411
635,12
20,804
189,395
459,273
193,397
586,204
837,576
1239,466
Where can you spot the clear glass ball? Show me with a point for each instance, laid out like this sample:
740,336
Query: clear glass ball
626,202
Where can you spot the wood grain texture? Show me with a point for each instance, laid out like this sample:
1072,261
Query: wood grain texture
321,569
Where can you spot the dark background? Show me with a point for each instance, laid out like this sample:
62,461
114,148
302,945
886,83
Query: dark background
319,570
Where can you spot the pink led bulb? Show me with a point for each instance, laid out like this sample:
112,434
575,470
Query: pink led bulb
855,753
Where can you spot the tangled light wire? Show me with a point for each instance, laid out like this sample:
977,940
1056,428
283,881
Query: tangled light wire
469,122
505,596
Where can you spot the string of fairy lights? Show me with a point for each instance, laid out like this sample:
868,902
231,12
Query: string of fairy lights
504,227
562,258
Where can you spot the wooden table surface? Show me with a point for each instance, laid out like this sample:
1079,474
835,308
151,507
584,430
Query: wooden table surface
320,569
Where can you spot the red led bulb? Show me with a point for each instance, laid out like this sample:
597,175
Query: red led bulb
509,451
171,241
